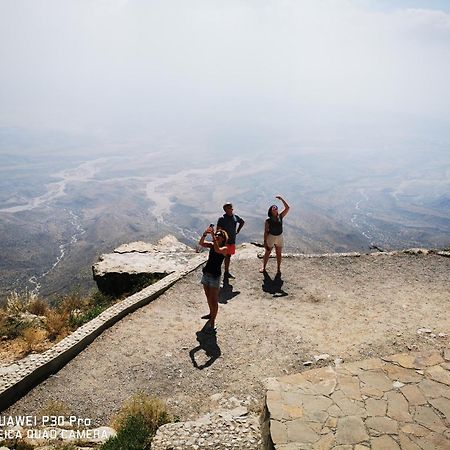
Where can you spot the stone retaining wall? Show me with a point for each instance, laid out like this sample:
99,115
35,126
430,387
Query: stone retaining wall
20,377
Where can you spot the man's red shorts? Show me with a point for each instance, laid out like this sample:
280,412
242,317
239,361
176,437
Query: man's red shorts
231,249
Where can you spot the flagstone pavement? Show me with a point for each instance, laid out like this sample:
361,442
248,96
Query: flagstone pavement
398,402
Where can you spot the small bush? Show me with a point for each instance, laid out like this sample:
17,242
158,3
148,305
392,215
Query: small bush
135,434
89,309
137,422
78,318
153,410
99,298
71,302
19,303
33,337
11,326
56,324
38,307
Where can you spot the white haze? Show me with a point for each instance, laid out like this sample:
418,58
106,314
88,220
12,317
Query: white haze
127,70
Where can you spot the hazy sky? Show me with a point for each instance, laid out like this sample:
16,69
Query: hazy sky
130,68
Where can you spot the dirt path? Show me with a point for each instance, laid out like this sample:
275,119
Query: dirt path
349,308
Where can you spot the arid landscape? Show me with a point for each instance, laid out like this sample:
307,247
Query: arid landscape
58,214
125,121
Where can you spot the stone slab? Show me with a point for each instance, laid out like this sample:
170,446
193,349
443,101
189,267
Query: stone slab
398,402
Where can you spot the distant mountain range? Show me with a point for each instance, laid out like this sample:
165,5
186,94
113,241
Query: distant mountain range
59,211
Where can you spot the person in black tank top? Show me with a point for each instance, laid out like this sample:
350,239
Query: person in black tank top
212,272
273,234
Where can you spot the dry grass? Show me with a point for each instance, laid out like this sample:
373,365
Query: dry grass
73,302
38,307
18,303
34,339
57,324
22,333
152,410
55,408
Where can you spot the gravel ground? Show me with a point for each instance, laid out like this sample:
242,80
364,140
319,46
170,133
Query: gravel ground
349,308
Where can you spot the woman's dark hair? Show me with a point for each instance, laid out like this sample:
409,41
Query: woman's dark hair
224,234
269,212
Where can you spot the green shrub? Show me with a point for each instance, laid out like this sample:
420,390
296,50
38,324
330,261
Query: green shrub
135,434
78,318
144,280
137,422
11,326
99,298
153,410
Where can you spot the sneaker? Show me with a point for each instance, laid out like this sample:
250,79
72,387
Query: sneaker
228,275
206,316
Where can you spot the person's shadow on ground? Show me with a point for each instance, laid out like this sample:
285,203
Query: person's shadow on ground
207,343
226,292
274,286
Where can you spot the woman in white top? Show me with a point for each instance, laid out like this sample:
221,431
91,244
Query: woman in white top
273,234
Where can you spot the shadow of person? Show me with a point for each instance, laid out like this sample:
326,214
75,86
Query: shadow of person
208,343
274,286
226,292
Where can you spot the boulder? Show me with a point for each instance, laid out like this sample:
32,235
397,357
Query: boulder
136,264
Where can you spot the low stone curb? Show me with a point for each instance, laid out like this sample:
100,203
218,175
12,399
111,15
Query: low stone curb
410,251
20,377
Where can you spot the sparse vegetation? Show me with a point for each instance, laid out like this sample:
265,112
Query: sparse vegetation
17,444
55,408
31,324
17,303
145,280
38,307
11,327
137,422
57,324
33,337
153,411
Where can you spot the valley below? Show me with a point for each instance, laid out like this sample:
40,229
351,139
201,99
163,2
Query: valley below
58,213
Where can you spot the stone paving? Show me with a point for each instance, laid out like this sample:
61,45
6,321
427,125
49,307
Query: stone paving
398,402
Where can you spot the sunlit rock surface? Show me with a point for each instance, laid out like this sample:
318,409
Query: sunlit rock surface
134,263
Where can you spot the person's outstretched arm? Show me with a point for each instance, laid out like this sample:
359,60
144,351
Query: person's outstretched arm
286,206
202,242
